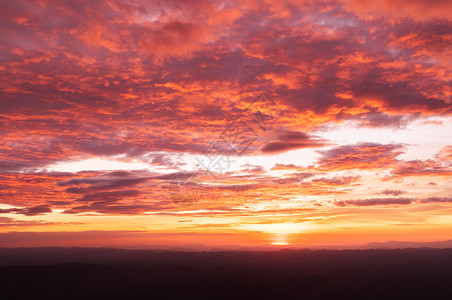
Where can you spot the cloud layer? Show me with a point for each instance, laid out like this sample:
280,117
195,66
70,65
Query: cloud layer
247,88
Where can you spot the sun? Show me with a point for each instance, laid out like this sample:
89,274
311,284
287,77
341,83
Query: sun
280,240
279,231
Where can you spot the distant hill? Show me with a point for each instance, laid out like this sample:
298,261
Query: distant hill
402,245
105,273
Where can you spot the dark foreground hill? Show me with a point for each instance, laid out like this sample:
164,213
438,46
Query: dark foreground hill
76,273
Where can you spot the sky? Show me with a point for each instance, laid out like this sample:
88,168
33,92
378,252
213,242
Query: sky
250,123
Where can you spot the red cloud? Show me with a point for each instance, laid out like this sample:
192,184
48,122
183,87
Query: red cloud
104,78
421,10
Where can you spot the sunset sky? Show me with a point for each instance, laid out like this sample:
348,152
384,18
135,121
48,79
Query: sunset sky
250,123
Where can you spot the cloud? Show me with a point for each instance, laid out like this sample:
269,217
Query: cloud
287,167
392,201
158,81
106,181
110,193
11,222
436,200
392,192
337,180
375,201
445,154
419,10
379,119
177,176
109,196
120,209
294,178
360,156
174,38
421,168
28,211
252,169
292,140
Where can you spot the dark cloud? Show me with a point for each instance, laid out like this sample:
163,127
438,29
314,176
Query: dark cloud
291,140
379,119
437,200
109,196
29,211
108,181
177,176
375,201
392,192
392,201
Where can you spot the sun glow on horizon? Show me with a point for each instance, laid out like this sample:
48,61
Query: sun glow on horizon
280,232
280,240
